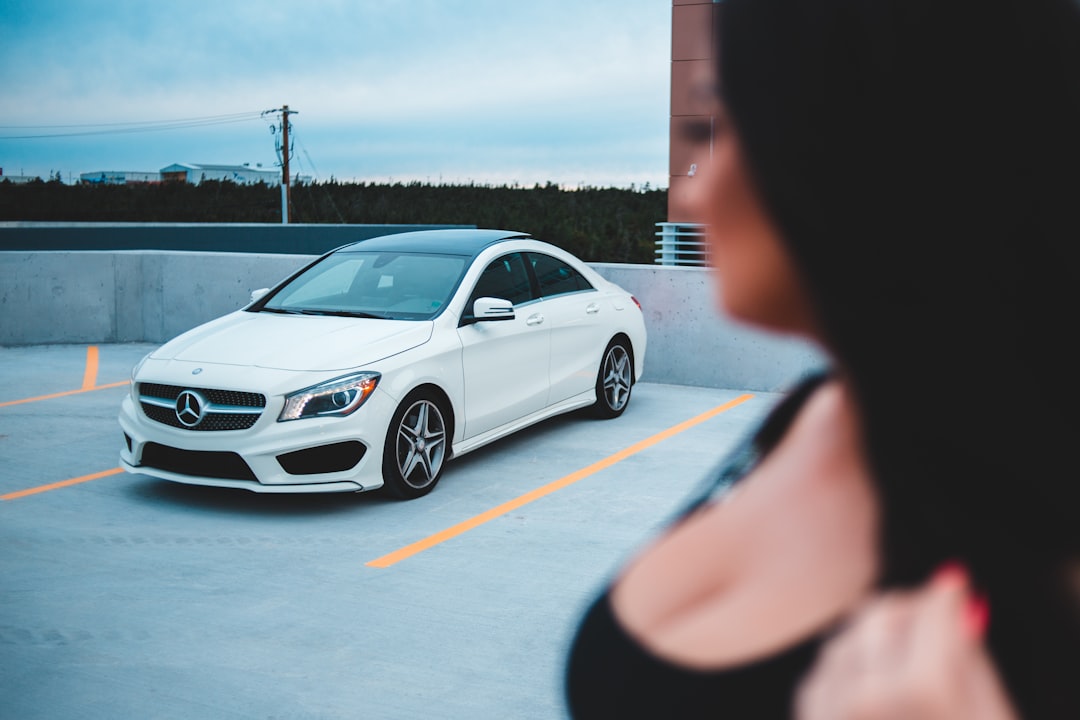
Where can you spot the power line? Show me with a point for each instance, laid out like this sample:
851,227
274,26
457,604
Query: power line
132,122
124,128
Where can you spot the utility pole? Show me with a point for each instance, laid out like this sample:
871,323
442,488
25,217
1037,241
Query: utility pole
285,151
285,165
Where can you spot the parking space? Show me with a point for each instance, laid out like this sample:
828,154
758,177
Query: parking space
128,597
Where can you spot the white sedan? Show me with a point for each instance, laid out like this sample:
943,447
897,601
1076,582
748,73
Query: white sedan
380,361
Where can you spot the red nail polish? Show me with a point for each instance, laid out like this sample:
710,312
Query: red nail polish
951,571
978,615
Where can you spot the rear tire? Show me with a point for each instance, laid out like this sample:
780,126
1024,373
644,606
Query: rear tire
416,448
614,380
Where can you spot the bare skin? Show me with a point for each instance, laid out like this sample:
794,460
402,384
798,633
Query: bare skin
909,655
792,550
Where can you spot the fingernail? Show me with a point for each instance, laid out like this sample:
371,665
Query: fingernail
951,571
978,615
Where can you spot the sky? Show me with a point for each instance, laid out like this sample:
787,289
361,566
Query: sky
574,92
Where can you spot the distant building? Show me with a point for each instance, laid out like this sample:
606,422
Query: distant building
240,174
21,179
681,241
118,177
692,62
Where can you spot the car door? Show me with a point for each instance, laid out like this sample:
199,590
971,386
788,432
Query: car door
573,310
504,362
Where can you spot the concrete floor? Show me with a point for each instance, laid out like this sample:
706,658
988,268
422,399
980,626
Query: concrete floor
127,597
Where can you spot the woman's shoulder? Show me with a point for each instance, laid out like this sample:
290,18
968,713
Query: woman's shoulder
781,417
747,453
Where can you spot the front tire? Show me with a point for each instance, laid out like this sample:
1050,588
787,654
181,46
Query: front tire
615,379
416,447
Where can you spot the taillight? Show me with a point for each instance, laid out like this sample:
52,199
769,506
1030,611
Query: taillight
636,302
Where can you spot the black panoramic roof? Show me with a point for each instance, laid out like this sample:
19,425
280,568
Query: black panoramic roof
455,242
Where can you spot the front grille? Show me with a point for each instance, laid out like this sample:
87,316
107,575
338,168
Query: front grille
226,465
226,411
218,397
212,421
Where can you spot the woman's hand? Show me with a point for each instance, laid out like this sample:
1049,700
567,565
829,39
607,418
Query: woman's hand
909,656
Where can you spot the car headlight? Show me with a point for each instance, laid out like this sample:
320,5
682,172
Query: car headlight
338,397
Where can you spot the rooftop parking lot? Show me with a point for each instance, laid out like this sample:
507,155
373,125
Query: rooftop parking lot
128,597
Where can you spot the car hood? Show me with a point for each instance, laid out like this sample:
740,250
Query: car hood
295,342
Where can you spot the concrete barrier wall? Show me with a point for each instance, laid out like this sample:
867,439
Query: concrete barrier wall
126,296
692,343
152,296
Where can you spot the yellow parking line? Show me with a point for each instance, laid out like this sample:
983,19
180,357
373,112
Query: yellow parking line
463,527
62,483
62,394
90,376
89,381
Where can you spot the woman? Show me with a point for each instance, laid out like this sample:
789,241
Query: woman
898,181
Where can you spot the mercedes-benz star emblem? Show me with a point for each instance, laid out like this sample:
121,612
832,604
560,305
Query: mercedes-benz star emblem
190,408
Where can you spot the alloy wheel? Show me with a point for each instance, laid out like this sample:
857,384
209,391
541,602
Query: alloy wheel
421,444
616,377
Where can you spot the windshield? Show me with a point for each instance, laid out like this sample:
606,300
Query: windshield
390,285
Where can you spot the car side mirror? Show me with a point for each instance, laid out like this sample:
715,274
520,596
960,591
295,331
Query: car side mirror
487,309
256,294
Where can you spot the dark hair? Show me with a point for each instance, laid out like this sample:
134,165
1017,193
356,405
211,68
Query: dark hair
922,161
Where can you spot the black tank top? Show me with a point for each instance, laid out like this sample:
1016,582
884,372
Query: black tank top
609,674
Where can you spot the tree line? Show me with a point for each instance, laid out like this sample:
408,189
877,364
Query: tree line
597,224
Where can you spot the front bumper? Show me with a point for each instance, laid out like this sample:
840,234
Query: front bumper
270,456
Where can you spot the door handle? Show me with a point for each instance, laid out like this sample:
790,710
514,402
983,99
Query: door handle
535,319
592,308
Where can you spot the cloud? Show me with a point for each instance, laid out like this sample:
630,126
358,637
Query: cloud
550,86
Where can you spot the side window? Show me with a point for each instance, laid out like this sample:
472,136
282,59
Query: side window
504,278
556,277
